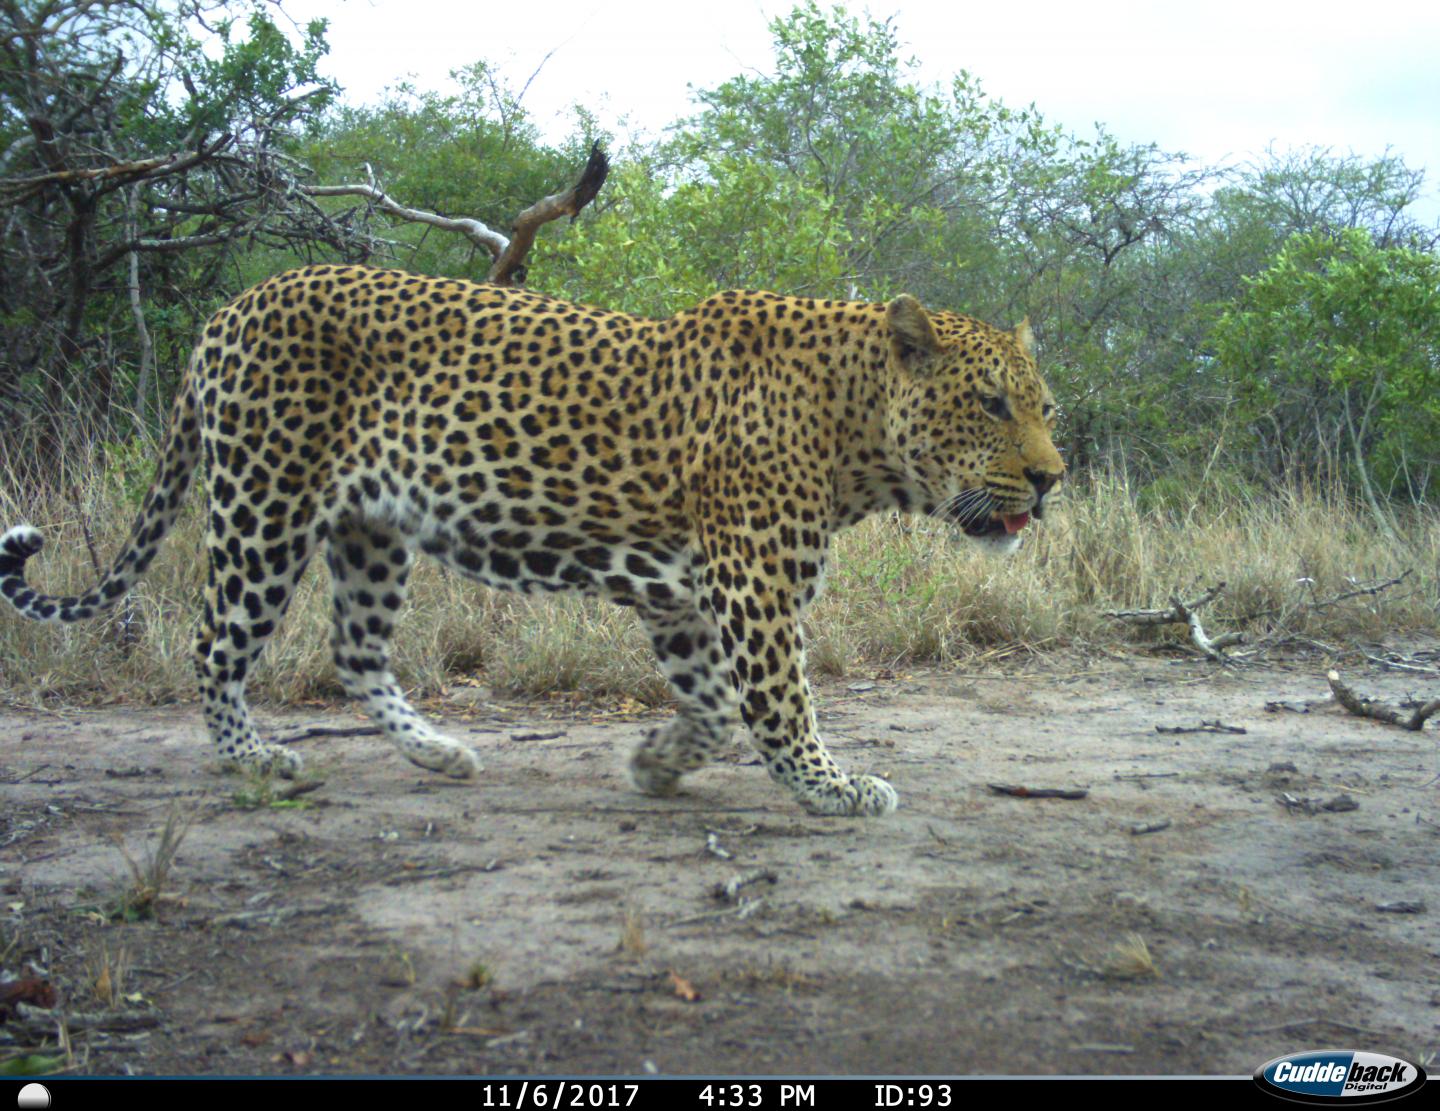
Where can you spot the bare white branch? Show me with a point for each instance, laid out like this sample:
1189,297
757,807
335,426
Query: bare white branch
479,234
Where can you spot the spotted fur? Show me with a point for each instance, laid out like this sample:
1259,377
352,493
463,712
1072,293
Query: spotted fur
693,468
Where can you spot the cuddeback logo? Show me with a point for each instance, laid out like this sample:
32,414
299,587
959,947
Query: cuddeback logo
1326,1074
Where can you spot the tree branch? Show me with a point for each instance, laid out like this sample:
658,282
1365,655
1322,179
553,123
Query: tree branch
473,230
508,265
1364,707
16,189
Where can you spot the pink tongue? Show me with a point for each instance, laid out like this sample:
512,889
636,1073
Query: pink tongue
1016,523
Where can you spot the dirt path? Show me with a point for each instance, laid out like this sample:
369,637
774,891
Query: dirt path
550,920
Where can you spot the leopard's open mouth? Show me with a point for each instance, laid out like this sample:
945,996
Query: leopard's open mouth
976,513
998,525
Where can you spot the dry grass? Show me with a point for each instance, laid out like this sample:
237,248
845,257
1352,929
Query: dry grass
1130,959
633,942
900,593
107,972
150,875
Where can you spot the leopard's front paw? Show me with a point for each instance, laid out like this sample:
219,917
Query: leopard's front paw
874,796
438,753
860,796
650,775
269,759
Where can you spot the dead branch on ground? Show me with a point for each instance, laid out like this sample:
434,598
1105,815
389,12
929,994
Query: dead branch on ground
1364,707
729,891
1393,661
1170,616
1019,792
1187,613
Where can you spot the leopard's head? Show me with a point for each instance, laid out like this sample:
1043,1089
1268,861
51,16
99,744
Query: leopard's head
970,419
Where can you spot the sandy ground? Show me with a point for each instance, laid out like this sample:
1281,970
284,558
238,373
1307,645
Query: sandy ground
549,920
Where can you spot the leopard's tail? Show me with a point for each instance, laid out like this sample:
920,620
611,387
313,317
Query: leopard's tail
178,462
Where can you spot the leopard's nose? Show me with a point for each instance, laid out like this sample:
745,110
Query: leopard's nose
1043,481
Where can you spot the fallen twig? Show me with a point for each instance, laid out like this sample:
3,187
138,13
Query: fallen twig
31,1021
1181,611
1212,647
1406,906
1172,616
1340,804
1279,706
1037,792
294,790
1286,1026
1369,708
129,773
1187,613
1203,727
742,909
1402,664
729,891
1139,829
330,731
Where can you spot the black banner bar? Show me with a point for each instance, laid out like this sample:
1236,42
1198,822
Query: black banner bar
631,1093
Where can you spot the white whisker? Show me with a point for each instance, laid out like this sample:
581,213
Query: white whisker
964,508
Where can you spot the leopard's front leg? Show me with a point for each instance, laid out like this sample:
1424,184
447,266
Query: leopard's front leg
759,622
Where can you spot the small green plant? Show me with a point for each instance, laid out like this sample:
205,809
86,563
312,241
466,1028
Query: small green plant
129,469
31,1064
477,976
261,791
402,969
150,876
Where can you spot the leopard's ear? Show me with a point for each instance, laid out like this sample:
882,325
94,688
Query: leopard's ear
913,340
1025,337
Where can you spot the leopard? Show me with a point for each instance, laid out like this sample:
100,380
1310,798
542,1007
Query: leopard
694,468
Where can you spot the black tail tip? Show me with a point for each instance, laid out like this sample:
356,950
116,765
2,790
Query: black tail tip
18,545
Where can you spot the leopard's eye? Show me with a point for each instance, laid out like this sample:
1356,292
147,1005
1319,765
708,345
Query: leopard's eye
1047,411
995,406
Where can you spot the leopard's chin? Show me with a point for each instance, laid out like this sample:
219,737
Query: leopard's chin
997,542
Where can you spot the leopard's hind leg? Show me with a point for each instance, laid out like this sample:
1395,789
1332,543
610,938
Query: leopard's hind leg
369,567
687,648
249,587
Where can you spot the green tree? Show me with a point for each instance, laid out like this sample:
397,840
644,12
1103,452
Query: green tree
841,116
135,132
473,152
1093,229
653,249
1335,347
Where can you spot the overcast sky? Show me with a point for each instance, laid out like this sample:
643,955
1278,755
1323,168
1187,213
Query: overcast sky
1219,80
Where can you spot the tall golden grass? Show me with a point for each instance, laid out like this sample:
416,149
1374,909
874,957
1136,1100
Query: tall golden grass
901,593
